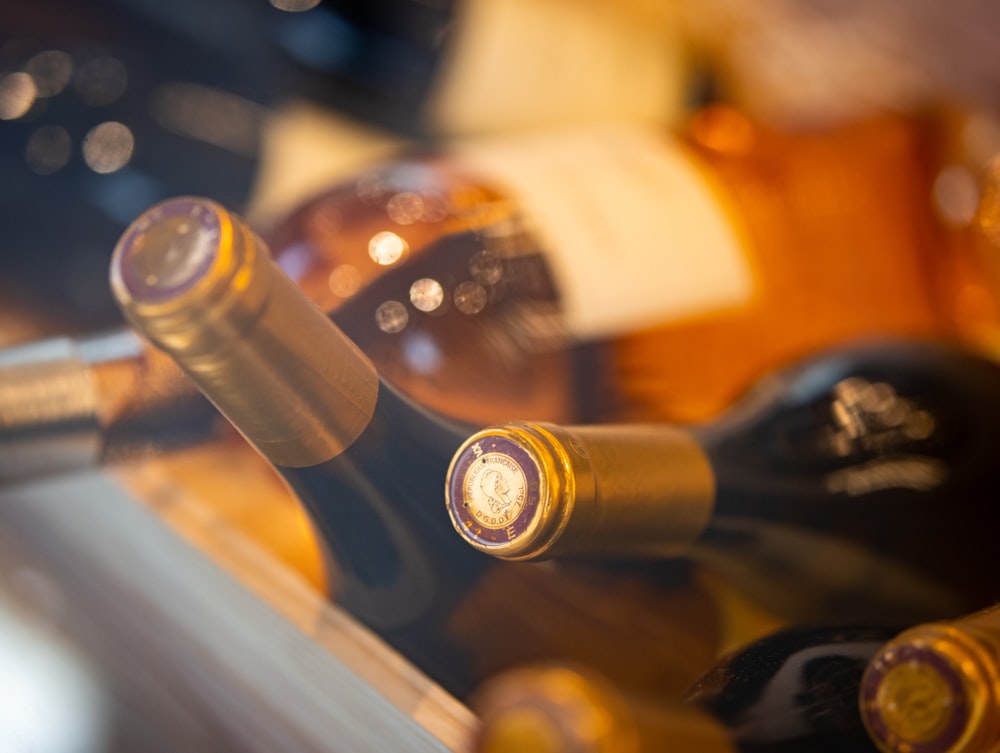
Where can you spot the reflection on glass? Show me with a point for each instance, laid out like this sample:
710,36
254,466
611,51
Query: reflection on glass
956,195
295,6
51,71
426,294
207,114
51,700
867,414
422,352
108,147
405,208
470,297
101,81
988,220
386,248
48,149
486,268
17,94
345,280
391,317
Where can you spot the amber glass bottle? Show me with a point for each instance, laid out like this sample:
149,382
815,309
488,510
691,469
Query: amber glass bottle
657,276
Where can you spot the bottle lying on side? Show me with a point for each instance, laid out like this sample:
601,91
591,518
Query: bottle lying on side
74,402
935,688
478,280
794,690
865,472
369,465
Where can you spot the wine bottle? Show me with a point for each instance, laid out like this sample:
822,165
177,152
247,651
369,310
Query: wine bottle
794,690
68,403
370,465
934,688
473,66
869,464
657,275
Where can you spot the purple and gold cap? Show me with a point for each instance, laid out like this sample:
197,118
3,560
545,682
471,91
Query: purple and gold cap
186,261
510,490
528,490
169,249
931,690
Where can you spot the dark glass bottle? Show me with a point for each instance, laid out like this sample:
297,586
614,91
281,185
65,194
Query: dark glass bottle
870,465
794,690
370,465
791,692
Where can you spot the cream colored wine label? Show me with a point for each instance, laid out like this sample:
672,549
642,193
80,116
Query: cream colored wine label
528,63
633,231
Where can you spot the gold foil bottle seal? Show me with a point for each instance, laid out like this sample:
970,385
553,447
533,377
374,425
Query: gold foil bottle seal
933,689
196,281
528,490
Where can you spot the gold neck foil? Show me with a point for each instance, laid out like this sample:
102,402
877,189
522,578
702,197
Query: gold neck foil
530,491
275,365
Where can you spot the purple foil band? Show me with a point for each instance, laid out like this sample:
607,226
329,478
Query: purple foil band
484,515
137,280
905,654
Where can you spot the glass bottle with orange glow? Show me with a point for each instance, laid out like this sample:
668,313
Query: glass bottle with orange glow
621,273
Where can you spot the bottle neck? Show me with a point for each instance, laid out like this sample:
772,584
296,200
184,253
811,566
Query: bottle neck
70,403
526,490
282,373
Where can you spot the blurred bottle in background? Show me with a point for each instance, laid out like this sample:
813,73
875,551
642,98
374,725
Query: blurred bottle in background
659,276
816,63
459,67
792,691
108,107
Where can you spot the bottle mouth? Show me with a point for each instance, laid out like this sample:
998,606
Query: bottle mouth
169,249
925,696
496,489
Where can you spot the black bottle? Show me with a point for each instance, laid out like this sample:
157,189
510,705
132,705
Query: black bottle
796,689
865,474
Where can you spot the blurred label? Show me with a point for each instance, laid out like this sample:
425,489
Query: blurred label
519,63
634,233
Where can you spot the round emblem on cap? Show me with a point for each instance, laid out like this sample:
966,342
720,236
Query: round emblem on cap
493,490
913,699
